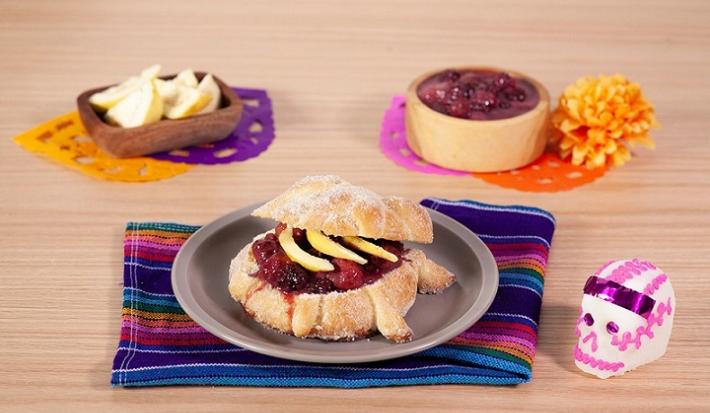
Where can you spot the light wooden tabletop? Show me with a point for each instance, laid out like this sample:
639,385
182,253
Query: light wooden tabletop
331,70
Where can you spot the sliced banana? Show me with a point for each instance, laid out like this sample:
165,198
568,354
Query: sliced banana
179,97
188,102
141,107
370,248
151,72
209,86
327,246
110,97
296,254
167,90
106,99
187,78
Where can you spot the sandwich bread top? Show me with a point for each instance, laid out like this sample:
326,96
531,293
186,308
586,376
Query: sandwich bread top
337,207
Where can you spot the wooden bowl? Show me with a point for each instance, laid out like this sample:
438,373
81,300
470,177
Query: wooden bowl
477,145
166,134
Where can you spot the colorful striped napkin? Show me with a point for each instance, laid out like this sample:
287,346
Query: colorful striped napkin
161,345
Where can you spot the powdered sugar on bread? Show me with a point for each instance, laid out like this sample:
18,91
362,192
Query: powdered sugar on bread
336,207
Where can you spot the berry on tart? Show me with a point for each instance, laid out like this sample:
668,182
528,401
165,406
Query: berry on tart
335,267
478,94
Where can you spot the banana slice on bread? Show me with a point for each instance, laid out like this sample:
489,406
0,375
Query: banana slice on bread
317,276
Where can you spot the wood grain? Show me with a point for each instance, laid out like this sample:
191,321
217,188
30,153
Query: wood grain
331,69
166,134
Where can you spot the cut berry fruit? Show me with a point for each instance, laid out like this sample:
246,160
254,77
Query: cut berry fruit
277,269
279,228
265,248
378,266
299,235
458,109
454,94
429,96
291,278
483,100
270,269
478,94
320,286
450,75
503,80
348,274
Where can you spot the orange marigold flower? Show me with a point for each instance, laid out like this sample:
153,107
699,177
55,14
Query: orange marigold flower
597,118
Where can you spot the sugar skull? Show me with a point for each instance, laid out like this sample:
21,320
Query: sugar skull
626,318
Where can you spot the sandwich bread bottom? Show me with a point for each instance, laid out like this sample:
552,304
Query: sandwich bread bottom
348,315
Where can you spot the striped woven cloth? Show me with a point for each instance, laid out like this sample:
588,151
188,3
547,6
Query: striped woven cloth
161,345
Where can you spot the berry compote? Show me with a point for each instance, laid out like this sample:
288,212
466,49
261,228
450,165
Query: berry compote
277,269
478,94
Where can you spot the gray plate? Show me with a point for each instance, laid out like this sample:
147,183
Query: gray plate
200,278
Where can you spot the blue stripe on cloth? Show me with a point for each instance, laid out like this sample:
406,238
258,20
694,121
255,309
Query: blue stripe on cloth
164,302
522,279
162,226
533,285
143,300
297,381
326,372
331,376
453,352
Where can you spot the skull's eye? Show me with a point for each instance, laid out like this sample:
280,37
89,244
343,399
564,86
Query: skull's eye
588,319
612,327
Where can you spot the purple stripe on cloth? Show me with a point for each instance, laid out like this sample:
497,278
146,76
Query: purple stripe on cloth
496,221
517,301
152,281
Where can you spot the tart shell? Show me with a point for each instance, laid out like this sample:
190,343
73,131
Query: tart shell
477,145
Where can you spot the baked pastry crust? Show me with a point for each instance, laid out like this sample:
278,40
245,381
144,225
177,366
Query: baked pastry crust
337,207
349,315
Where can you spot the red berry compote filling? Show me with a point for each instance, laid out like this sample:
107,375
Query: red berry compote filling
478,94
277,269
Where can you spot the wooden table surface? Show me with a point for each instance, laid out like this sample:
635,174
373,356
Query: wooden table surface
331,69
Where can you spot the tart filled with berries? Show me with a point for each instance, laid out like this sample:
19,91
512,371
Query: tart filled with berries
335,267
477,119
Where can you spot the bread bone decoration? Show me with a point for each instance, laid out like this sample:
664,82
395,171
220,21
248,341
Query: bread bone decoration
626,318
335,268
